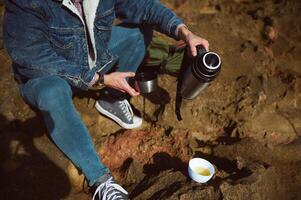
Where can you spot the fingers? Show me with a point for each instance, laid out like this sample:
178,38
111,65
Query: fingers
193,50
194,43
127,88
118,81
181,44
127,74
205,43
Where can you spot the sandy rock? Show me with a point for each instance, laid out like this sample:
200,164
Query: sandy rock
268,51
297,101
179,3
134,173
206,193
144,147
297,85
148,189
221,174
297,89
76,178
271,128
270,33
139,157
194,143
88,120
243,1
261,187
10,165
104,126
241,163
208,10
210,133
4,59
230,193
205,150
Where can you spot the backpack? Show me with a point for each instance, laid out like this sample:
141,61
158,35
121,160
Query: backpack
164,57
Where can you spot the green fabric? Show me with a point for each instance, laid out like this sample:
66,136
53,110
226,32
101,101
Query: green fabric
160,53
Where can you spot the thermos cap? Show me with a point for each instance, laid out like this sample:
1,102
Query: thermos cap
211,60
206,66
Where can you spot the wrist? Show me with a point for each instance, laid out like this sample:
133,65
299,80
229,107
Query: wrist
183,32
100,79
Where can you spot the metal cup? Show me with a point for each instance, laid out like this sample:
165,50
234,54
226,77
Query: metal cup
146,82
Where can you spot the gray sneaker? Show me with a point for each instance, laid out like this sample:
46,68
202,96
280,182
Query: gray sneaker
120,111
109,190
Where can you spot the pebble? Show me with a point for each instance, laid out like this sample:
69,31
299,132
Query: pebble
270,33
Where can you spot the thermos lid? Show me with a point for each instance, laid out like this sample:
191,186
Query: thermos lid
211,60
206,66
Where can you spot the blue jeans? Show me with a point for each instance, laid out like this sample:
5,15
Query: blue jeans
52,95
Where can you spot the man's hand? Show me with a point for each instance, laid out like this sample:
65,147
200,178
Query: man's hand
118,81
191,40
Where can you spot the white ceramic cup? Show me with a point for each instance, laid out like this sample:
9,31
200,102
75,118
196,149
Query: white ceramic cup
200,162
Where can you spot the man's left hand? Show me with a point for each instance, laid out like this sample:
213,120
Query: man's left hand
191,40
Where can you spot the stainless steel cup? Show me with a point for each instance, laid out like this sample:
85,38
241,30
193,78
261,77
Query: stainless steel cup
146,82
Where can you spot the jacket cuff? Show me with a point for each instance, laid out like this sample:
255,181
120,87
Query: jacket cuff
87,76
177,29
173,25
94,80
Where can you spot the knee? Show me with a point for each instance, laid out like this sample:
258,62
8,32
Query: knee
138,46
142,36
54,94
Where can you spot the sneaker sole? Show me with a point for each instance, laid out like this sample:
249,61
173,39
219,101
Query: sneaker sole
116,119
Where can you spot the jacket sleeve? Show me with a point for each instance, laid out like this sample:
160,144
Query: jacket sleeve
27,43
151,12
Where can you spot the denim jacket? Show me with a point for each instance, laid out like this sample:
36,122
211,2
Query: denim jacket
48,37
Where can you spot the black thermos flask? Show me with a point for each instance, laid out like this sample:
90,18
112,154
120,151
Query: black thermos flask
199,72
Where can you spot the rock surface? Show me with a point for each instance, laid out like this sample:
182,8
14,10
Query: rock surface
247,122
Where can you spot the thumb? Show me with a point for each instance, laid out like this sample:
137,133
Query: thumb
128,74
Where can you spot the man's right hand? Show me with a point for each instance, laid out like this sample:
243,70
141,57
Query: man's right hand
117,80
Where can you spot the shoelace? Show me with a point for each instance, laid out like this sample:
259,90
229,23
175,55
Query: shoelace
126,109
105,188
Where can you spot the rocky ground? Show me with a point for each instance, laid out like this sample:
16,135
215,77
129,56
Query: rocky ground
247,123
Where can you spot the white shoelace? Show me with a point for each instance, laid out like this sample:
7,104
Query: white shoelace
106,187
126,109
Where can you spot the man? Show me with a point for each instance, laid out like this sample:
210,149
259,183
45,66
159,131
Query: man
58,46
